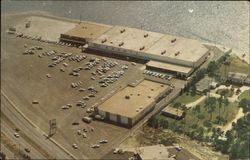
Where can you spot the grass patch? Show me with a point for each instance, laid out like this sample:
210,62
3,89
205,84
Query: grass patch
234,65
245,94
194,120
185,99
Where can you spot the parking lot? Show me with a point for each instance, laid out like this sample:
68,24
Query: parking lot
52,81
49,80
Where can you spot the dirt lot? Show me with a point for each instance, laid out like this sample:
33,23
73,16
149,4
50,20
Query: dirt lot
147,136
24,80
46,28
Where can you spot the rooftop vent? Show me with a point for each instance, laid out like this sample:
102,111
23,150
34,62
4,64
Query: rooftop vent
103,41
142,48
173,40
121,44
123,30
145,35
177,53
163,52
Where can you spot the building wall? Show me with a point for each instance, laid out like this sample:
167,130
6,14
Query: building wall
143,113
113,117
102,113
124,120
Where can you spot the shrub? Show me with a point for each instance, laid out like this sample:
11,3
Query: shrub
207,124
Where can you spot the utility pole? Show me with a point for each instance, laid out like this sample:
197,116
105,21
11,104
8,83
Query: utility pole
52,127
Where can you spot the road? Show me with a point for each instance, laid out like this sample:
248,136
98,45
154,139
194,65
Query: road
34,154
32,132
7,152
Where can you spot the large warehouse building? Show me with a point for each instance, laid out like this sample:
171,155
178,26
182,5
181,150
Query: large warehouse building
151,46
131,104
84,32
174,54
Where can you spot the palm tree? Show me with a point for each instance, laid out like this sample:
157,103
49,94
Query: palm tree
226,102
220,104
211,104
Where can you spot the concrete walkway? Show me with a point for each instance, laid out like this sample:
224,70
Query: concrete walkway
229,126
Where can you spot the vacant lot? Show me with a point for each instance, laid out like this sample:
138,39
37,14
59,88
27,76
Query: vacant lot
235,64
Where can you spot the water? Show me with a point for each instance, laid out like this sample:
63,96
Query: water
220,22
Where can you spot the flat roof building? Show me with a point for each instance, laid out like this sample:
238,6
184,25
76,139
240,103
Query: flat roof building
239,78
172,68
124,41
84,32
204,85
178,50
130,104
173,112
156,152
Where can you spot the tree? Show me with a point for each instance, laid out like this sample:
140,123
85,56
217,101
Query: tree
197,108
153,122
200,116
2,156
163,123
226,103
220,104
193,90
211,69
177,105
244,103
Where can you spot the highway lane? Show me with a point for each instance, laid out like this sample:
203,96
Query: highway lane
7,152
34,154
32,132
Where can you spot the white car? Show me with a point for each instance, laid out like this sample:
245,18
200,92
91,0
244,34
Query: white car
95,146
75,146
16,135
178,148
104,141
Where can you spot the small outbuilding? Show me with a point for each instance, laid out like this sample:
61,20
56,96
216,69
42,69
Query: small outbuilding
173,112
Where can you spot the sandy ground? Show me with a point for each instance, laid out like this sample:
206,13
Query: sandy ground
205,153
49,29
228,126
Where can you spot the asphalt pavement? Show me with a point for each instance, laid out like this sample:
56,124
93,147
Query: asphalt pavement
30,131
34,154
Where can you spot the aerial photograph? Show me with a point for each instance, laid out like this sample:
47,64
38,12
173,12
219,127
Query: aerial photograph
125,80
